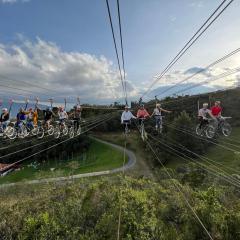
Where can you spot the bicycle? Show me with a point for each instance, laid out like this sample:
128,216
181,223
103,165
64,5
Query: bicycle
208,128
61,128
40,130
158,120
142,129
224,127
126,123
71,129
7,132
47,127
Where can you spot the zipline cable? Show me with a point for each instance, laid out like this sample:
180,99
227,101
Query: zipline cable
186,46
44,142
116,50
201,70
227,177
179,190
52,146
122,50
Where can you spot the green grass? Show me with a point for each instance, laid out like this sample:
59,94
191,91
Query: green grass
99,157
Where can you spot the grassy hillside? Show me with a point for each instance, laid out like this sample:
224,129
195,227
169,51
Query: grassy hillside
90,211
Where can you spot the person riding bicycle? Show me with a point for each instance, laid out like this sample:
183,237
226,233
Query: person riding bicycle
127,116
31,118
202,115
62,114
216,109
4,118
76,114
47,116
142,113
21,117
157,113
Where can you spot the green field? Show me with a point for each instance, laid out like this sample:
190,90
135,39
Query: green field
99,157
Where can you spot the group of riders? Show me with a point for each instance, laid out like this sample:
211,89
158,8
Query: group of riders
29,118
143,114
204,115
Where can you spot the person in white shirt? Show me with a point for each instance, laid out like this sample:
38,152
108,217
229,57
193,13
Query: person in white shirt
62,115
127,116
203,113
157,113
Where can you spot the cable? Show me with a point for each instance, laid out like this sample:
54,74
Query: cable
186,46
44,142
52,146
227,177
201,70
116,51
228,73
204,139
179,190
121,40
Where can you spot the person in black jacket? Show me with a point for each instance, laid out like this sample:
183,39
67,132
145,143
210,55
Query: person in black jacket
4,118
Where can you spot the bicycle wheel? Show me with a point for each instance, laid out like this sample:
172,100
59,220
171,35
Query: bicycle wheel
142,133
199,131
71,132
65,131
79,130
40,133
126,129
210,131
11,133
226,129
34,131
57,132
9,130
50,130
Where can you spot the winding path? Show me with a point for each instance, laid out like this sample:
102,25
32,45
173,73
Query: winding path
130,163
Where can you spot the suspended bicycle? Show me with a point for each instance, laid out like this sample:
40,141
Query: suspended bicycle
142,129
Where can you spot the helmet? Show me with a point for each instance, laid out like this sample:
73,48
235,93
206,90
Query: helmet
158,105
205,105
61,108
4,109
218,102
126,107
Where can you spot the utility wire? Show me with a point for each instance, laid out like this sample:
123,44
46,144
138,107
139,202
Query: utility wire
201,71
123,61
179,190
116,50
54,145
187,46
226,74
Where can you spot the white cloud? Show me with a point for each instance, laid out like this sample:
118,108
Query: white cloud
207,76
71,74
13,1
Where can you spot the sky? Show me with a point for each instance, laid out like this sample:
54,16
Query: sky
64,49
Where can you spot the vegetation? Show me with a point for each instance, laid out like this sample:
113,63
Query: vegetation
151,205
97,157
90,211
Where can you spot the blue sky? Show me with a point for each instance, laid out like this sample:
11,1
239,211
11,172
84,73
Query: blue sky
153,32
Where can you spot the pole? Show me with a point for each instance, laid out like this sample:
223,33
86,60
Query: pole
26,103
